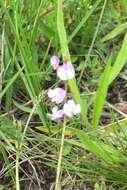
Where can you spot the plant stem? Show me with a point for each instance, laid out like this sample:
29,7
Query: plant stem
17,171
57,183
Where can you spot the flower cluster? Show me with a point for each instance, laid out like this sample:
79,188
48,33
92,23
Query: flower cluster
57,95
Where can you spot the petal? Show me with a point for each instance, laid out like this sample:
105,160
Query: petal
61,73
67,110
77,109
57,114
71,103
54,62
66,71
60,113
70,71
54,109
57,95
50,93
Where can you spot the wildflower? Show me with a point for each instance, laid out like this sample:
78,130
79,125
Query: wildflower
54,62
56,114
71,109
57,95
66,71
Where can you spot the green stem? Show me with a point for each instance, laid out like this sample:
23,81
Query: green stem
17,171
66,57
57,183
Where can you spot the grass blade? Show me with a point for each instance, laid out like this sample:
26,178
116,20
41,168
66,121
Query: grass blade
107,152
101,94
22,107
11,82
66,57
115,32
120,61
107,78
33,82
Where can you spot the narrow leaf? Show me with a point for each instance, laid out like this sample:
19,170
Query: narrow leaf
22,107
66,57
115,32
120,61
101,94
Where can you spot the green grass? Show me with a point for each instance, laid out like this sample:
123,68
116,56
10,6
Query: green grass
87,150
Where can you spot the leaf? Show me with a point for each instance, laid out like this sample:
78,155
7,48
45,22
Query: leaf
54,130
120,61
66,57
3,136
8,163
115,32
101,94
22,107
32,83
109,75
114,126
11,82
106,152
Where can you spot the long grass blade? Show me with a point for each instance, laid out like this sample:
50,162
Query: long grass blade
66,57
120,61
101,94
115,32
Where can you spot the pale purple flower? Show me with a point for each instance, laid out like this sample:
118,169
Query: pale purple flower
57,95
71,109
54,62
56,114
66,71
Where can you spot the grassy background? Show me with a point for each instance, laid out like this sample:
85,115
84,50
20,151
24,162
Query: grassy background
92,34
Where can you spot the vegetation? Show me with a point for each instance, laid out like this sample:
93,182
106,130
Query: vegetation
87,151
